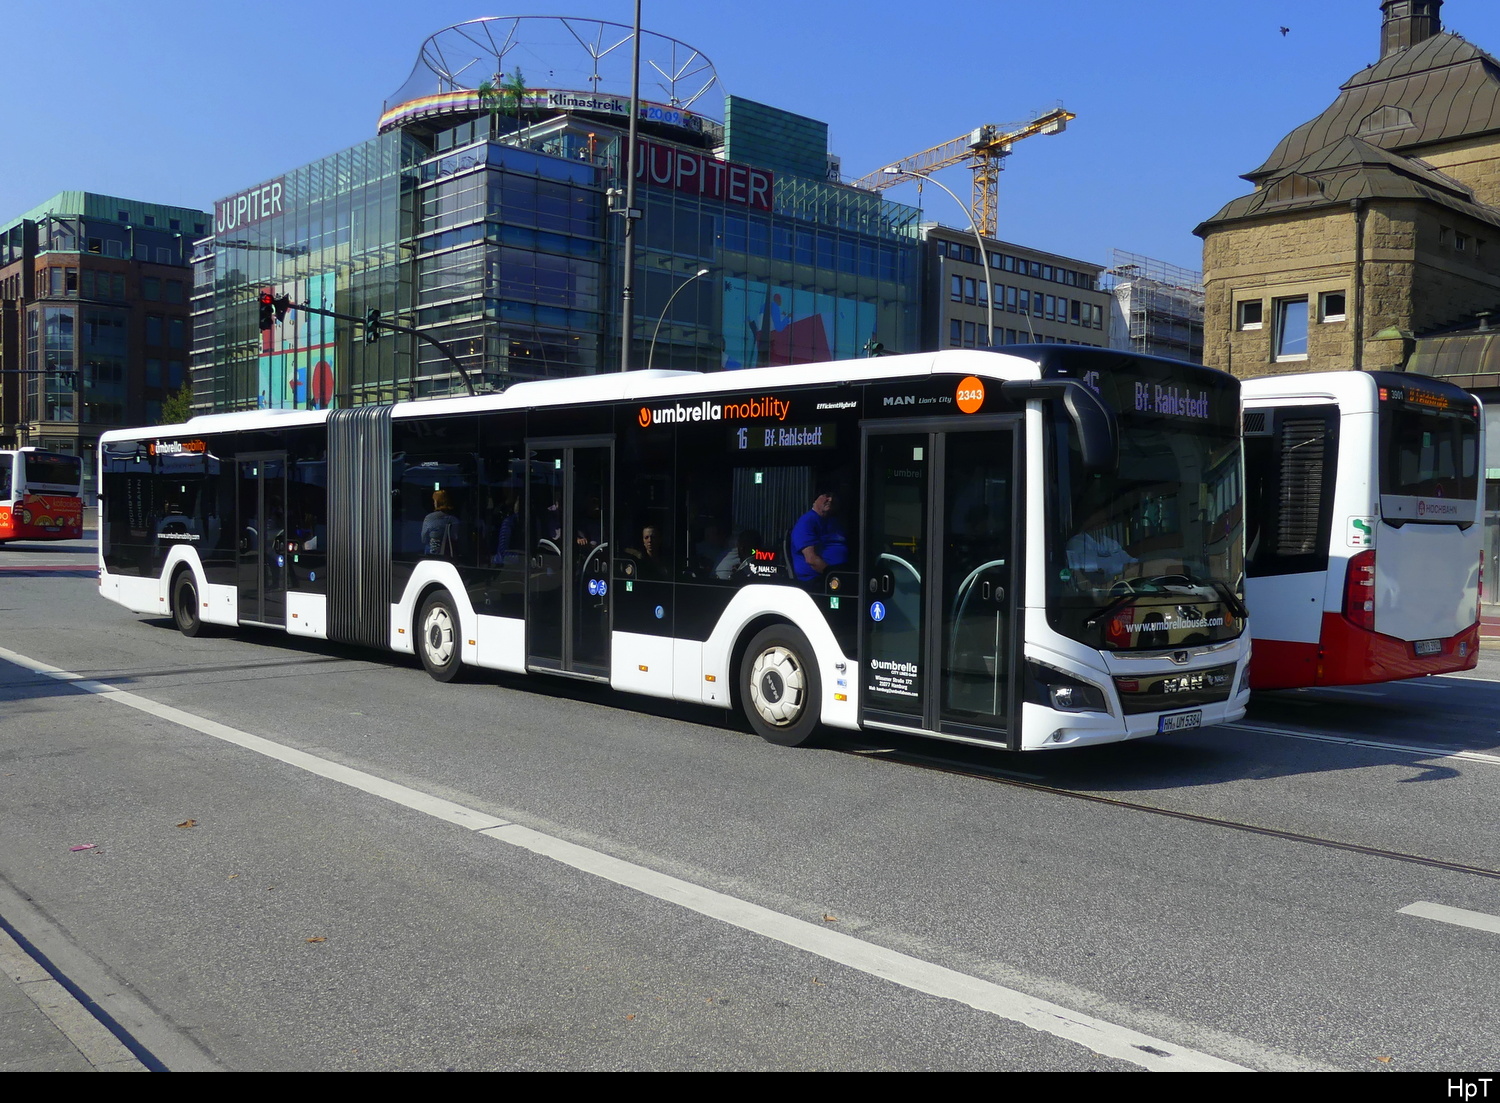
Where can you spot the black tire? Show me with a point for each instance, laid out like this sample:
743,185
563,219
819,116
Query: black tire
185,610
439,638
779,688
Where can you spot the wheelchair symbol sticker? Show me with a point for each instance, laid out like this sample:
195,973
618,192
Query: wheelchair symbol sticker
877,610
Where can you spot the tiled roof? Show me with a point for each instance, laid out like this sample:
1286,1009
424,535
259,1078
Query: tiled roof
1348,169
1439,90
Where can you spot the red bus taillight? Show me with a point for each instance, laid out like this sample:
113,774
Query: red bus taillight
1359,591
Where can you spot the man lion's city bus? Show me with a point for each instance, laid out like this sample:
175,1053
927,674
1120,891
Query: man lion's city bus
1035,548
1364,505
39,496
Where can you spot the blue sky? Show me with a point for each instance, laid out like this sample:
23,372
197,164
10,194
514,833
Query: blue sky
186,102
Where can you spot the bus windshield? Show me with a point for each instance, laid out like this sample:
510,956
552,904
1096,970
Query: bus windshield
47,469
1149,555
7,463
1429,455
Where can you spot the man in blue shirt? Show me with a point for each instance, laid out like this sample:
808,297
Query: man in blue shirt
818,540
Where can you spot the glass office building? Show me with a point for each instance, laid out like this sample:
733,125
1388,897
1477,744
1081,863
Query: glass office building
494,224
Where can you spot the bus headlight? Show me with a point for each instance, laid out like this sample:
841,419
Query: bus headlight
1064,692
1079,698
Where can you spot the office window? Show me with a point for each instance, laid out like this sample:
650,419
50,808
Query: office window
1291,329
956,288
968,335
1251,314
955,332
1331,306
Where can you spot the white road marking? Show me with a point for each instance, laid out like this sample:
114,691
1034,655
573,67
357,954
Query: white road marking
1342,689
1105,1038
1459,917
1435,753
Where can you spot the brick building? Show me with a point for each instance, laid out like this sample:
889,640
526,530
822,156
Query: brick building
94,318
1371,224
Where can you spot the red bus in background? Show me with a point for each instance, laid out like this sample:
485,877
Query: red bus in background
1365,501
39,496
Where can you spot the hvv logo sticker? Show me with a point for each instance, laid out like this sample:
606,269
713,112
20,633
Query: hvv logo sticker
1361,532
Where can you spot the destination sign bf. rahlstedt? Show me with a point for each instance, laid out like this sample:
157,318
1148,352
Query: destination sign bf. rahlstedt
1173,401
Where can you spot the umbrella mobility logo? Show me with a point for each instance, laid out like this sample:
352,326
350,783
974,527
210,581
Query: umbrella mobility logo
768,406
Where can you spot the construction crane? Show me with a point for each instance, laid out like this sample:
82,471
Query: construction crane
984,149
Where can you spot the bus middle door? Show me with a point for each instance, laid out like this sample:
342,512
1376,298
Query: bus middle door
261,493
567,567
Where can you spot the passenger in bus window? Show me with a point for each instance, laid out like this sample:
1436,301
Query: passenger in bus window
818,542
441,528
591,528
651,557
508,541
736,562
715,546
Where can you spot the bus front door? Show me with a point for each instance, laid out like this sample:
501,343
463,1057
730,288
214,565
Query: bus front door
261,493
567,566
939,612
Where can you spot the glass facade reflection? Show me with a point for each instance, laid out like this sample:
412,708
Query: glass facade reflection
495,231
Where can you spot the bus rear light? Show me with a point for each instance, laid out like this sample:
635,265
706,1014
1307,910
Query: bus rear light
1359,591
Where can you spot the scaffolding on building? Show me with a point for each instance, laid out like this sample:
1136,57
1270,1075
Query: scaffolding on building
1158,307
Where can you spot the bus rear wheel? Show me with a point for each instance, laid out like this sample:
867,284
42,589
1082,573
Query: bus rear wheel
438,637
779,688
185,612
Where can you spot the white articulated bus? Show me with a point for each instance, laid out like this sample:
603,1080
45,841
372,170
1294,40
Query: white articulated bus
1364,502
1039,547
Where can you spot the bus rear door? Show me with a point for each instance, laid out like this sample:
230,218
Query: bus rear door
941,579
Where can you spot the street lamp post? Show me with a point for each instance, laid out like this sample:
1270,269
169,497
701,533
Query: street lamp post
651,354
984,260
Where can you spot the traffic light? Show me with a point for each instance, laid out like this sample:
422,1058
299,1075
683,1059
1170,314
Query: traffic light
267,311
372,325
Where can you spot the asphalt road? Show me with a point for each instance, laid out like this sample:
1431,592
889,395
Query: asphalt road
324,860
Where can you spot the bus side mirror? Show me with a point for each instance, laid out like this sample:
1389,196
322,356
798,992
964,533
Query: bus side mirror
1098,436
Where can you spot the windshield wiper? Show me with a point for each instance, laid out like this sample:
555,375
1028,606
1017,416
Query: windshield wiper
1220,587
1105,610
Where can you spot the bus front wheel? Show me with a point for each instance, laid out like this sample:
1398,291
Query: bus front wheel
185,612
438,637
779,686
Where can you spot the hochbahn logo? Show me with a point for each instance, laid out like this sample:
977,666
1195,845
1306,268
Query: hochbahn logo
752,409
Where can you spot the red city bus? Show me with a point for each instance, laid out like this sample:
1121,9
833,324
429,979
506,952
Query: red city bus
39,496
